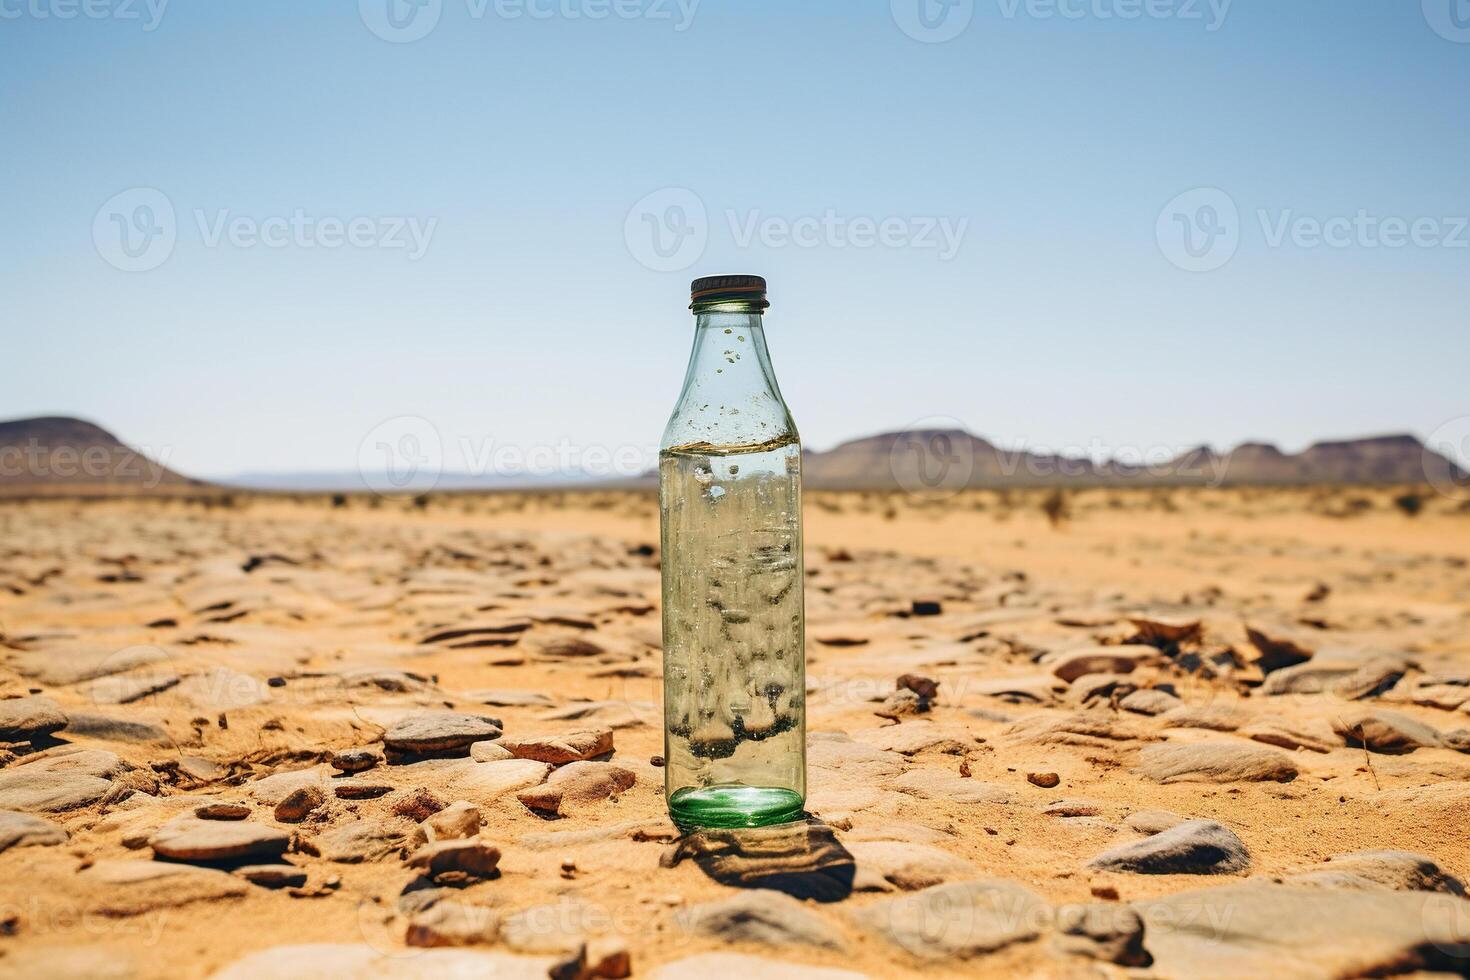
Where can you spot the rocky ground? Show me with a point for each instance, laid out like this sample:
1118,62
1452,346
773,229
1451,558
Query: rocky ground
1194,734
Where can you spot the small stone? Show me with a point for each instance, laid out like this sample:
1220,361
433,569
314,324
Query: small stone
1193,847
1154,821
1384,731
355,760
1110,933
276,682
608,957
299,804
26,719
1149,701
926,607
1103,660
1046,780
458,821
440,733
489,752
1214,762
924,687
561,749
24,830
470,857
360,789
765,918
1459,740
453,924
1376,677
191,839
127,888
1212,717
418,805
578,784
656,761
360,841
1072,808
222,811
34,789
900,704
273,875
1287,734
1400,870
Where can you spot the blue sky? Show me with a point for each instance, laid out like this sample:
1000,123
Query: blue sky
520,147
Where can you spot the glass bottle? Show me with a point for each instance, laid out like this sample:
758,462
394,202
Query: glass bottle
733,603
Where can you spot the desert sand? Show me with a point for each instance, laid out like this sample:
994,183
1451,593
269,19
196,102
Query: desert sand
1154,733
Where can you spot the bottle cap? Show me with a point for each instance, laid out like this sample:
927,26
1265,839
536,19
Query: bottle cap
715,290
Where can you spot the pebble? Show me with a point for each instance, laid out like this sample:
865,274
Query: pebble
1149,701
559,750
578,784
299,804
470,857
440,732
1102,660
360,841
1110,933
1201,847
766,918
273,875
355,760
458,821
360,789
1214,762
1046,780
26,719
1384,731
222,811
191,839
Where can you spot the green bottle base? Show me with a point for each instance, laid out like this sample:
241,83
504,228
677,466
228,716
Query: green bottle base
734,806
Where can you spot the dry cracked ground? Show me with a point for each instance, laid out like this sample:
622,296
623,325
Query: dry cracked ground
1177,735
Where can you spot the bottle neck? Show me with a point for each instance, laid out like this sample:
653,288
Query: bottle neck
730,395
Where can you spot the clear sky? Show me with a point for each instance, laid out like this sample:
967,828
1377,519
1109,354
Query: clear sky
827,143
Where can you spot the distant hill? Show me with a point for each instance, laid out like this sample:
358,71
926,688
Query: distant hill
950,459
64,456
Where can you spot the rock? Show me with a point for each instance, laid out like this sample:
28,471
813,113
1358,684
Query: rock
1384,731
36,790
804,860
1214,717
1165,631
417,805
886,865
920,736
1154,821
709,965
561,749
24,830
1459,740
355,760
1308,678
299,804
1214,762
1260,929
470,857
835,758
453,924
565,647
1372,679
924,687
276,787
1072,808
1100,688
932,784
458,821
1110,933
363,960
926,607
191,839
273,875
1103,660
1149,701
959,921
26,719
220,810
489,752
361,840
577,784
1288,734
115,729
127,888
1398,870
901,704
489,780
765,918
1195,847
1089,729
440,733
1046,780
607,956
360,789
